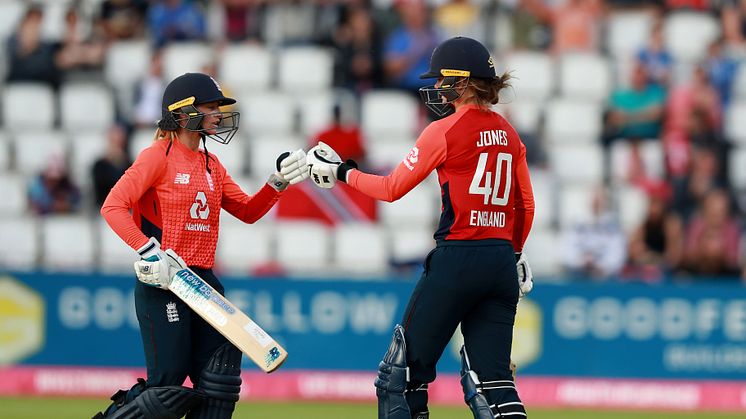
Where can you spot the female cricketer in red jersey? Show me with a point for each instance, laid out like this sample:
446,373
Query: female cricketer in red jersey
477,272
175,192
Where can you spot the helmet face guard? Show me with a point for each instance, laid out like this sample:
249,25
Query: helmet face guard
190,119
440,99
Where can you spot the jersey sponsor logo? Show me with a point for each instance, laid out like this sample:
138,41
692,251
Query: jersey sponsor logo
487,218
200,210
412,158
197,227
182,179
492,137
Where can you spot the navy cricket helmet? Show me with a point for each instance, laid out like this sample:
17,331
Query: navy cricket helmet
179,106
455,60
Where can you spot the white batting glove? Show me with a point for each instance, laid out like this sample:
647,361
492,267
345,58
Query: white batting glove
323,162
156,266
525,276
294,168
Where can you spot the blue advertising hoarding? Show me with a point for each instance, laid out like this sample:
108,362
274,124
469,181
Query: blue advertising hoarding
573,329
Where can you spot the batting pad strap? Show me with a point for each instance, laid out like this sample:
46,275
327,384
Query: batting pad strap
494,385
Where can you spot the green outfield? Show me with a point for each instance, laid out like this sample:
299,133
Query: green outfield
60,408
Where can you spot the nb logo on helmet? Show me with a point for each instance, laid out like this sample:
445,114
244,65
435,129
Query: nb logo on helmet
200,210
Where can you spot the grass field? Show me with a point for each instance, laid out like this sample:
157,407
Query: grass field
58,408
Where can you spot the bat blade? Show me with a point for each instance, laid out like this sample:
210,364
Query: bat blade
228,320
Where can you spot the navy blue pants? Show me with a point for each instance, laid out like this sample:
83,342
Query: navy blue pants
177,342
474,283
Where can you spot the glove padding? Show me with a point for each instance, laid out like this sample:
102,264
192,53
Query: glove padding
156,267
323,162
293,167
525,277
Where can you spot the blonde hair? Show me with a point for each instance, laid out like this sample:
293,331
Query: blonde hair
164,135
487,91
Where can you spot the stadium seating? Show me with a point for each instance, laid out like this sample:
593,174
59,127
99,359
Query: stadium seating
304,70
264,150
650,152
585,76
19,248
114,254
410,243
33,149
419,206
360,249
575,164
86,148
535,77
14,200
269,113
734,124
86,106
627,32
737,168
242,248
184,57
5,152
388,114
68,243
28,105
572,121
304,248
247,68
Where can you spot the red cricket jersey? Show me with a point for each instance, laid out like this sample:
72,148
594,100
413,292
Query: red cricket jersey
172,195
483,175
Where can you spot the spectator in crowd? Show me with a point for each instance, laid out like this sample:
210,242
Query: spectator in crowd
176,20
656,59
29,57
704,174
594,248
53,191
529,30
721,71
575,26
80,54
713,238
408,49
110,167
656,245
733,20
635,112
243,19
460,18
359,65
148,93
123,19
691,109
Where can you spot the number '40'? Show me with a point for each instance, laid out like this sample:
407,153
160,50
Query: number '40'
491,189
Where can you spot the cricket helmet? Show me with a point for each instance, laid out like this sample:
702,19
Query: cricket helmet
455,60
179,106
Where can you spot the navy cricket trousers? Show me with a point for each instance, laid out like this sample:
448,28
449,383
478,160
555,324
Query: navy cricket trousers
474,283
177,342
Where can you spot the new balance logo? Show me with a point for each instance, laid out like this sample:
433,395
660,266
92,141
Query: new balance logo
171,313
182,179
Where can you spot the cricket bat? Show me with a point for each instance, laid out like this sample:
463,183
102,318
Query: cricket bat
231,322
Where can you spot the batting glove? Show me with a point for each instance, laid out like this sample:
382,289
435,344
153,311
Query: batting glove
156,267
326,167
525,277
291,169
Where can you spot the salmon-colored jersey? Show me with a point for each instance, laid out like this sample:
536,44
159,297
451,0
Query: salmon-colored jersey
483,175
175,199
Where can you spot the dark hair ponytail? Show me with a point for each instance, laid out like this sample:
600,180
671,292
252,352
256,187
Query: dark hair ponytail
487,91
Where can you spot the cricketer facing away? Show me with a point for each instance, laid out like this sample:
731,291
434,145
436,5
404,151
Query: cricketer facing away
477,272
175,191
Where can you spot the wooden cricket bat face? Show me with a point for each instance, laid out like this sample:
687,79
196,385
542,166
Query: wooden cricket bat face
228,320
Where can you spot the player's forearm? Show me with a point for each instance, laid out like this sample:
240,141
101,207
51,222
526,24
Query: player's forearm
250,209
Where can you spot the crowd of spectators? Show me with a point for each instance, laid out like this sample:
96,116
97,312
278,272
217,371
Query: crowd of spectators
692,225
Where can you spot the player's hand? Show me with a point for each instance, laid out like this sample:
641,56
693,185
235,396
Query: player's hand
291,169
323,162
525,277
156,267
293,166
